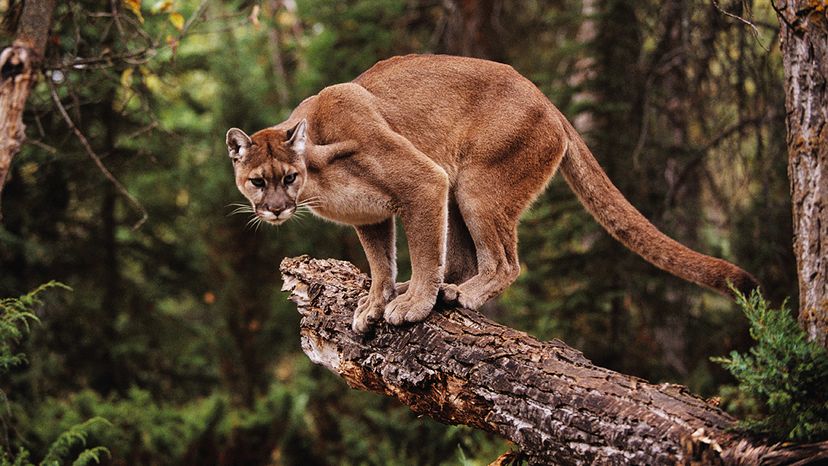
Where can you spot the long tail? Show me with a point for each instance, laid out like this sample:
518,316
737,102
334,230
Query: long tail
626,224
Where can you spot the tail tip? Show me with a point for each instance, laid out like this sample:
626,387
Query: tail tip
743,282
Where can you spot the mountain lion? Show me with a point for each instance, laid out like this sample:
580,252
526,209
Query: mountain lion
457,148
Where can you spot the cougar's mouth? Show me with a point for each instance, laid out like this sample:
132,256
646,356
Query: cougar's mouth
276,218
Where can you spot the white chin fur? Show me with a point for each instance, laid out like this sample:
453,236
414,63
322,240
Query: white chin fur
273,219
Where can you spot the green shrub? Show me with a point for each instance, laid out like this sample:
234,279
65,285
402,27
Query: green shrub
69,446
15,315
782,379
139,426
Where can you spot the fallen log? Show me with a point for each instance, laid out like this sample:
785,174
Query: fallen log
459,367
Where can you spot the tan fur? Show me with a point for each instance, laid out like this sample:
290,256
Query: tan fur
456,148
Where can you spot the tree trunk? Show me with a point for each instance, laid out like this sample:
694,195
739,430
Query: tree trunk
804,33
472,29
18,65
584,98
461,368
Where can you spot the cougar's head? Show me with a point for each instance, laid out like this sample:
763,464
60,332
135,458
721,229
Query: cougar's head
270,169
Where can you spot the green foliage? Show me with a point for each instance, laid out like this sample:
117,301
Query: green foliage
68,448
346,26
62,456
20,459
140,427
306,420
782,379
15,314
75,437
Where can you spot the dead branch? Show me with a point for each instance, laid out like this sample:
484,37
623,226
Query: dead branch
753,29
97,160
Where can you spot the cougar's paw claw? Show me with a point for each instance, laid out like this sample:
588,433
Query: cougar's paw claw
368,312
408,308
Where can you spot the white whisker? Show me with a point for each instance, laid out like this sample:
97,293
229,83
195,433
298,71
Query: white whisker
310,202
241,210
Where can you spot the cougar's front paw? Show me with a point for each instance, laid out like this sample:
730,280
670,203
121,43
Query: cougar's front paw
368,312
408,307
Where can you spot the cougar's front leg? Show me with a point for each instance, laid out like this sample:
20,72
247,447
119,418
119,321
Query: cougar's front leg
424,216
416,186
379,244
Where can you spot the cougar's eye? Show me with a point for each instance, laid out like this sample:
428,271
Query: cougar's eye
257,182
289,178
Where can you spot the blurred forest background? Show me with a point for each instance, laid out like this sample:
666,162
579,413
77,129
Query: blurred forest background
176,331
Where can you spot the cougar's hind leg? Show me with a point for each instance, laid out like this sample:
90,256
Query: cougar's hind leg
461,256
497,260
491,206
495,185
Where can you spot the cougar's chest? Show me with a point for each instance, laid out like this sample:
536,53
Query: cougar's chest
354,207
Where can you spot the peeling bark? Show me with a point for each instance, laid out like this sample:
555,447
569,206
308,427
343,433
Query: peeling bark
458,367
804,33
18,65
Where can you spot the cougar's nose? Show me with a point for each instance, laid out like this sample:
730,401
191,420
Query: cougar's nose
271,212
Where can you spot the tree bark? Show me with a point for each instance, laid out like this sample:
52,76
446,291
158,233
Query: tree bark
460,368
18,65
804,33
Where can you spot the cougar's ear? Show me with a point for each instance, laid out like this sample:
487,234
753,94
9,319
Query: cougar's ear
298,137
238,143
